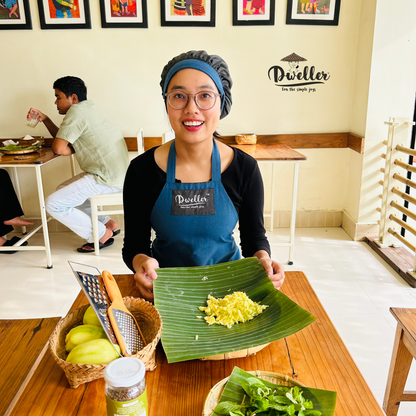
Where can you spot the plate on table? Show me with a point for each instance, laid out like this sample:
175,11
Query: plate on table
230,390
20,152
180,291
25,146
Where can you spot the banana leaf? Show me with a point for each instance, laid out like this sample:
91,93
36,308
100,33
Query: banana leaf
323,400
178,292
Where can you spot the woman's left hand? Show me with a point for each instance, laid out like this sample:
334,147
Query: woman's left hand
274,270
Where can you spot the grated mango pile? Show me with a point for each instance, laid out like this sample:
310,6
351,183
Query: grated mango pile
231,310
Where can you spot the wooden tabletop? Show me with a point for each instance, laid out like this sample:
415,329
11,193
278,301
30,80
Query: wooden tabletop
316,356
44,155
262,151
406,317
22,342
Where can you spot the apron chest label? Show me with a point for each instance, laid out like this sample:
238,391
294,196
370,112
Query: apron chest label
193,202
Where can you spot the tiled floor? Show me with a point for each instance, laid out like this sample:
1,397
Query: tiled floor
354,285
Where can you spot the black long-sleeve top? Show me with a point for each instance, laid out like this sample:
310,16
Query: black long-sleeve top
145,180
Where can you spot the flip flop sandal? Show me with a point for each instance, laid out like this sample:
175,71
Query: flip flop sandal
116,232
11,242
84,249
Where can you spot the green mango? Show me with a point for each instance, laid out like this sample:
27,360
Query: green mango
96,352
90,318
83,333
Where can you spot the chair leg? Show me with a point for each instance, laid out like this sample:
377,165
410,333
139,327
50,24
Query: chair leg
94,219
401,361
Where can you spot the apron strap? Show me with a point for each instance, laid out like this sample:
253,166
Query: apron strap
215,164
170,174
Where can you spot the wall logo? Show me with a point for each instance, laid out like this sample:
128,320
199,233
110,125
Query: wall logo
293,78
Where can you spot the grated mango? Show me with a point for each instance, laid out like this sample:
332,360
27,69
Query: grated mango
230,310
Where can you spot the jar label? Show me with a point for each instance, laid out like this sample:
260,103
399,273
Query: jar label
135,407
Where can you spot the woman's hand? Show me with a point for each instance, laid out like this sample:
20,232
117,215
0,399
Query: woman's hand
274,270
145,274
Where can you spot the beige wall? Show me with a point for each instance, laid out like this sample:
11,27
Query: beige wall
122,67
392,90
359,104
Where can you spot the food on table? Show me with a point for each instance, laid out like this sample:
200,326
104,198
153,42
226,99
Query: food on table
81,334
230,310
96,352
16,147
90,318
260,399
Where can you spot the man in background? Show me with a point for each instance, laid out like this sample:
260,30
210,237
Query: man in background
101,153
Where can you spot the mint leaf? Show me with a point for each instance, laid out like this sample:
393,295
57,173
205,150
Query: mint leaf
224,408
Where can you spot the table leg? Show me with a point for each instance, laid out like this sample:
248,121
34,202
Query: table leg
272,200
43,217
401,361
293,214
17,189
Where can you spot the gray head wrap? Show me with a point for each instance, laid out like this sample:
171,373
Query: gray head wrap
214,61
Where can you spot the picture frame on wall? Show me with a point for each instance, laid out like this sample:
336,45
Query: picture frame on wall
253,12
123,13
313,12
68,14
15,15
187,12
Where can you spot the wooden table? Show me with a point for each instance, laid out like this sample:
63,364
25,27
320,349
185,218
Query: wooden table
32,161
316,356
404,351
276,154
23,342
263,152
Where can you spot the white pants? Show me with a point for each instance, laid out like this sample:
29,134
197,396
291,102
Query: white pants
70,205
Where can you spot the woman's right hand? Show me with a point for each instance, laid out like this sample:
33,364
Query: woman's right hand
145,274
42,117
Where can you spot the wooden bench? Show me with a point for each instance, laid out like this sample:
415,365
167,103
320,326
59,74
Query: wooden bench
404,350
295,141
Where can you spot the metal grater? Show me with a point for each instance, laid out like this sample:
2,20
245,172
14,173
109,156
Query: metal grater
93,287
128,330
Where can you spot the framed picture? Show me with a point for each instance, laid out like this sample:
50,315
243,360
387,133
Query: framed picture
253,12
15,14
64,14
313,12
123,13
187,12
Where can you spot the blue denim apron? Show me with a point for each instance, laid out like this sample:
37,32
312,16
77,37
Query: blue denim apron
194,222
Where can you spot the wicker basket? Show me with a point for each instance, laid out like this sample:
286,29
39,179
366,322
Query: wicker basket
235,354
148,319
215,393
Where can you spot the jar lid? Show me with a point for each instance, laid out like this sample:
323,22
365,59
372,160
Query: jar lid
124,372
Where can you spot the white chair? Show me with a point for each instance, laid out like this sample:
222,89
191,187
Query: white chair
98,202
168,136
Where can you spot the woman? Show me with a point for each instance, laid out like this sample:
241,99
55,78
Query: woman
10,212
192,191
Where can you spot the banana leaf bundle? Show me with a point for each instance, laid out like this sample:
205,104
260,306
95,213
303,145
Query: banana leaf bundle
244,392
15,147
179,292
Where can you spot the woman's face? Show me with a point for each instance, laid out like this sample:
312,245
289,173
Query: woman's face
192,124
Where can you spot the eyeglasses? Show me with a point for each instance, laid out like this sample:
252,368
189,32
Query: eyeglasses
205,100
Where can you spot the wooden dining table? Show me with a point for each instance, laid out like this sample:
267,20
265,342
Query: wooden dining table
34,161
315,356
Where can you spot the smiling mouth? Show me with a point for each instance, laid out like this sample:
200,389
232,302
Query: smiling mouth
193,123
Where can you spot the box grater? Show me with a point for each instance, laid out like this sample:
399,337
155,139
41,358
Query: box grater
125,326
93,286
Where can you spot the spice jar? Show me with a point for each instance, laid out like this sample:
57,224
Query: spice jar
125,387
